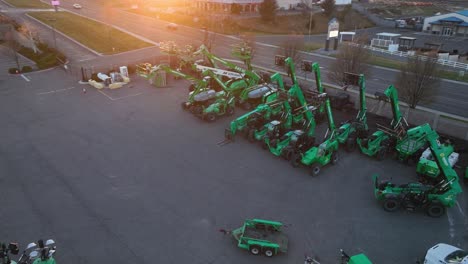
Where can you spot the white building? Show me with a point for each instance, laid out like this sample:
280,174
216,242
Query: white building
451,24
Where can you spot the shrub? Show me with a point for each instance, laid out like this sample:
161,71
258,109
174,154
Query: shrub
26,69
13,70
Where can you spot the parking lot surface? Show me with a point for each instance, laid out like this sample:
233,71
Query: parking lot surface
127,176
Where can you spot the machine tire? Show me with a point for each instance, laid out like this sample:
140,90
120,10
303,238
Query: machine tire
391,204
210,117
335,158
197,110
295,159
255,250
315,170
350,145
381,154
268,252
251,136
287,153
435,209
230,111
246,106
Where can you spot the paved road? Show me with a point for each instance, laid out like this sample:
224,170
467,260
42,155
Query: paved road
126,176
451,98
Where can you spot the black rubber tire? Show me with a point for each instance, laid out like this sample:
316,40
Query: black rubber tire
287,153
210,117
381,154
315,170
391,204
251,136
197,110
268,252
335,157
230,111
255,250
435,209
350,144
295,160
247,106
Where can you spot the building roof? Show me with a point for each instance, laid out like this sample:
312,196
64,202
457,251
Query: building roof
451,19
463,12
385,34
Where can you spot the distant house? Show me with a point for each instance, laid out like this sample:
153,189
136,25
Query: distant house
452,24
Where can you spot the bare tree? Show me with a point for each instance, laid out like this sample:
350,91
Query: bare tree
352,57
418,79
328,7
292,47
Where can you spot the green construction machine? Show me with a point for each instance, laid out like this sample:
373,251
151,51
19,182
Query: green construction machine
298,134
246,85
427,168
434,199
381,142
261,237
349,132
323,154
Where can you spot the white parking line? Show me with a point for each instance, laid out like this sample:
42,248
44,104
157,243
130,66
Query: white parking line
25,78
118,98
56,91
460,209
451,226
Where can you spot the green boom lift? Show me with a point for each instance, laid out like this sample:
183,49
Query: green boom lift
248,88
318,156
379,143
433,198
350,131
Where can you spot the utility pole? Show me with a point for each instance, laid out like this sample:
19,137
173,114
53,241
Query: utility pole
310,18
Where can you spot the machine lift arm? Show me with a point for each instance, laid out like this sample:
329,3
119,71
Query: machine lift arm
398,120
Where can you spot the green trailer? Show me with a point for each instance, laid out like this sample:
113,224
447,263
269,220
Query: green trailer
261,237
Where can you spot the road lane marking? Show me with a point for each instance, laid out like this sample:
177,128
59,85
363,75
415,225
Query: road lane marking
451,226
56,91
119,98
25,78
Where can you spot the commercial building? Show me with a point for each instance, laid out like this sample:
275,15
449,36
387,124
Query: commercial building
246,5
451,24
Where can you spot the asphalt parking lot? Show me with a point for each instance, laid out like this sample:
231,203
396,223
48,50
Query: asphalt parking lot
127,176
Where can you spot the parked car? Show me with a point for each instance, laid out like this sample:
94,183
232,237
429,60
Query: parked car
445,254
77,6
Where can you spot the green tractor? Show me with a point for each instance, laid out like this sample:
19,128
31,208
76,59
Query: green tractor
349,131
432,198
381,142
261,237
323,154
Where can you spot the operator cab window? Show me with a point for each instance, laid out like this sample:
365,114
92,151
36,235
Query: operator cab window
456,256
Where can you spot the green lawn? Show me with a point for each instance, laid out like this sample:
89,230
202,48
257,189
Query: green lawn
28,3
95,35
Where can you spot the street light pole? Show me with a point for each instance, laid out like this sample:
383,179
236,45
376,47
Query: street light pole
310,19
53,32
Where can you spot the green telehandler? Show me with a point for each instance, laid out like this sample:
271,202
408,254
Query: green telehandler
349,131
380,143
299,135
323,154
434,199
427,168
